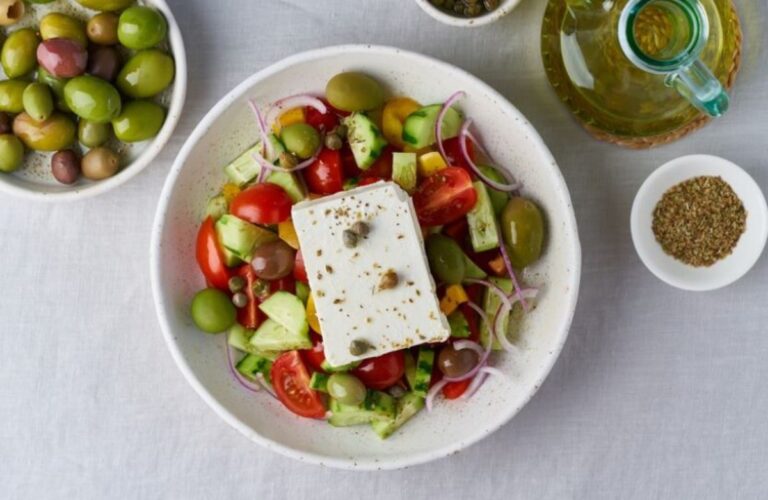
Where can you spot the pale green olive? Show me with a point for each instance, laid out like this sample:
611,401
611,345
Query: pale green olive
522,227
139,121
346,389
108,5
92,134
58,25
12,96
38,101
141,27
92,98
55,133
11,153
19,54
301,139
354,91
146,74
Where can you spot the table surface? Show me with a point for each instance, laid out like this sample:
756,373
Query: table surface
658,393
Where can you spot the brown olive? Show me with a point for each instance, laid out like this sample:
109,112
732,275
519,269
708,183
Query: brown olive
5,123
102,28
455,363
100,163
273,260
65,166
103,62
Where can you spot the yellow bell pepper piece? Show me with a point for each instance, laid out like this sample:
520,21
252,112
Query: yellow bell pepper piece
430,163
454,295
291,116
229,191
287,233
314,323
392,118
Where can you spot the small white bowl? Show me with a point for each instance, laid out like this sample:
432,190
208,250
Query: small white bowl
672,271
33,181
504,8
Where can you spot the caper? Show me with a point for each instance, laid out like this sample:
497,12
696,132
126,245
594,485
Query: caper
389,280
287,160
354,91
361,228
359,347
236,283
11,153
38,101
349,238
333,142
19,53
522,227
240,300
346,389
100,163
260,288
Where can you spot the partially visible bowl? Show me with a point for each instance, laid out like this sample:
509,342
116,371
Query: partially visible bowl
504,8
228,129
34,180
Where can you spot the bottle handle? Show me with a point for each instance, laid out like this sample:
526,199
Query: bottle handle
696,83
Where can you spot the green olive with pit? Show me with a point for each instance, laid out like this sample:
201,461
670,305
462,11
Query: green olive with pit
354,91
102,28
446,259
38,101
146,74
346,389
11,153
301,139
106,5
139,121
19,54
92,134
53,134
12,96
141,27
92,98
522,227
58,25
212,311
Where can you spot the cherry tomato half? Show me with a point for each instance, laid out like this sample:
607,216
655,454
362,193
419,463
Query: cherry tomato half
299,269
291,382
382,167
284,284
453,151
262,204
322,121
248,316
210,257
348,162
454,390
325,175
314,357
383,371
444,196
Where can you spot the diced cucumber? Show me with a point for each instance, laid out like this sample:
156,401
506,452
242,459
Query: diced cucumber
407,406
499,199
241,238
424,365
350,183
302,291
272,336
491,305
319,382
365,139
288,311
472,270
217,206
483,230
240,337
459,325
419,127
410,368
404,170
377,406
290,183
253,364
325,365
245,168
230,258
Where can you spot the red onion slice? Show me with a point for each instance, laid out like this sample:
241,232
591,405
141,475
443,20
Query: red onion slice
433,392
235,373
513,277
439,123
265,385
480,379
295,101
266,166
468,344
266,144
493,287
460,345
463,136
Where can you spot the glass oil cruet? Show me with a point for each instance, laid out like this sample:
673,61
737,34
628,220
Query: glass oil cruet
638,68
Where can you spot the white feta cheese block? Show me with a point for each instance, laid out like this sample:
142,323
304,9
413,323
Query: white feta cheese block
346,282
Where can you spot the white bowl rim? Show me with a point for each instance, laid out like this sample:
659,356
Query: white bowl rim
158,226
178,97
502,10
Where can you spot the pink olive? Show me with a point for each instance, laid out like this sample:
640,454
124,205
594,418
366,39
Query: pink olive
62,57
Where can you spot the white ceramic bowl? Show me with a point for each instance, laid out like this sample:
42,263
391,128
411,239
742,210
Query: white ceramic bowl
504,8
671,270
229,129
34,180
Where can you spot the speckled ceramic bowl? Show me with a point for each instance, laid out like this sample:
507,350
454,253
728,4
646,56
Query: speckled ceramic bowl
229,129
34,180
504,8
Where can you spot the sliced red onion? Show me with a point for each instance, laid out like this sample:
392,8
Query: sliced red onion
483,354
501,332
493,287
480,379
439,123
265,385
266,144
460,345
508,188
513,277
235,373
266,166
295,101
433,392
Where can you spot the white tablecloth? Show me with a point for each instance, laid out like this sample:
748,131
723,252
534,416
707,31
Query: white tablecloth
658,393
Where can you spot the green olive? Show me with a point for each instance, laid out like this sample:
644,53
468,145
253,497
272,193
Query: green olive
19,54
92,98
354,92
58,25
100,163
141,28
12,96
41,1
56,84
55,133
102,28
146,74
346,389
212,311
499,199
38,101
522,227
109,5
92,134
11,153
139,121
446,259
301,139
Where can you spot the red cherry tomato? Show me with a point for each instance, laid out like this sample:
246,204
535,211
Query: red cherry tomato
453,390
299,269
248,316
473,321
262,204
314,357
322,121
382,167
325,175
291,382
444,197
453,151
457,230
285,284
210,257
348,162
368,180
381,372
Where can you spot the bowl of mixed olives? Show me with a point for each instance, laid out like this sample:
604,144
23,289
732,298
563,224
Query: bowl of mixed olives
90,92
467,13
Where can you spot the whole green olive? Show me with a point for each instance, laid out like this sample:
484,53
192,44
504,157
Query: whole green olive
41,1
92,98
102,28
100,163
522,227
11,153
109,5
346,389
354,92
499,199
56,84
446,259
92,134
301,139
11,11
139,121
212,311
19,54
38,101
146,74
12,96
57,132
141,28
58,25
